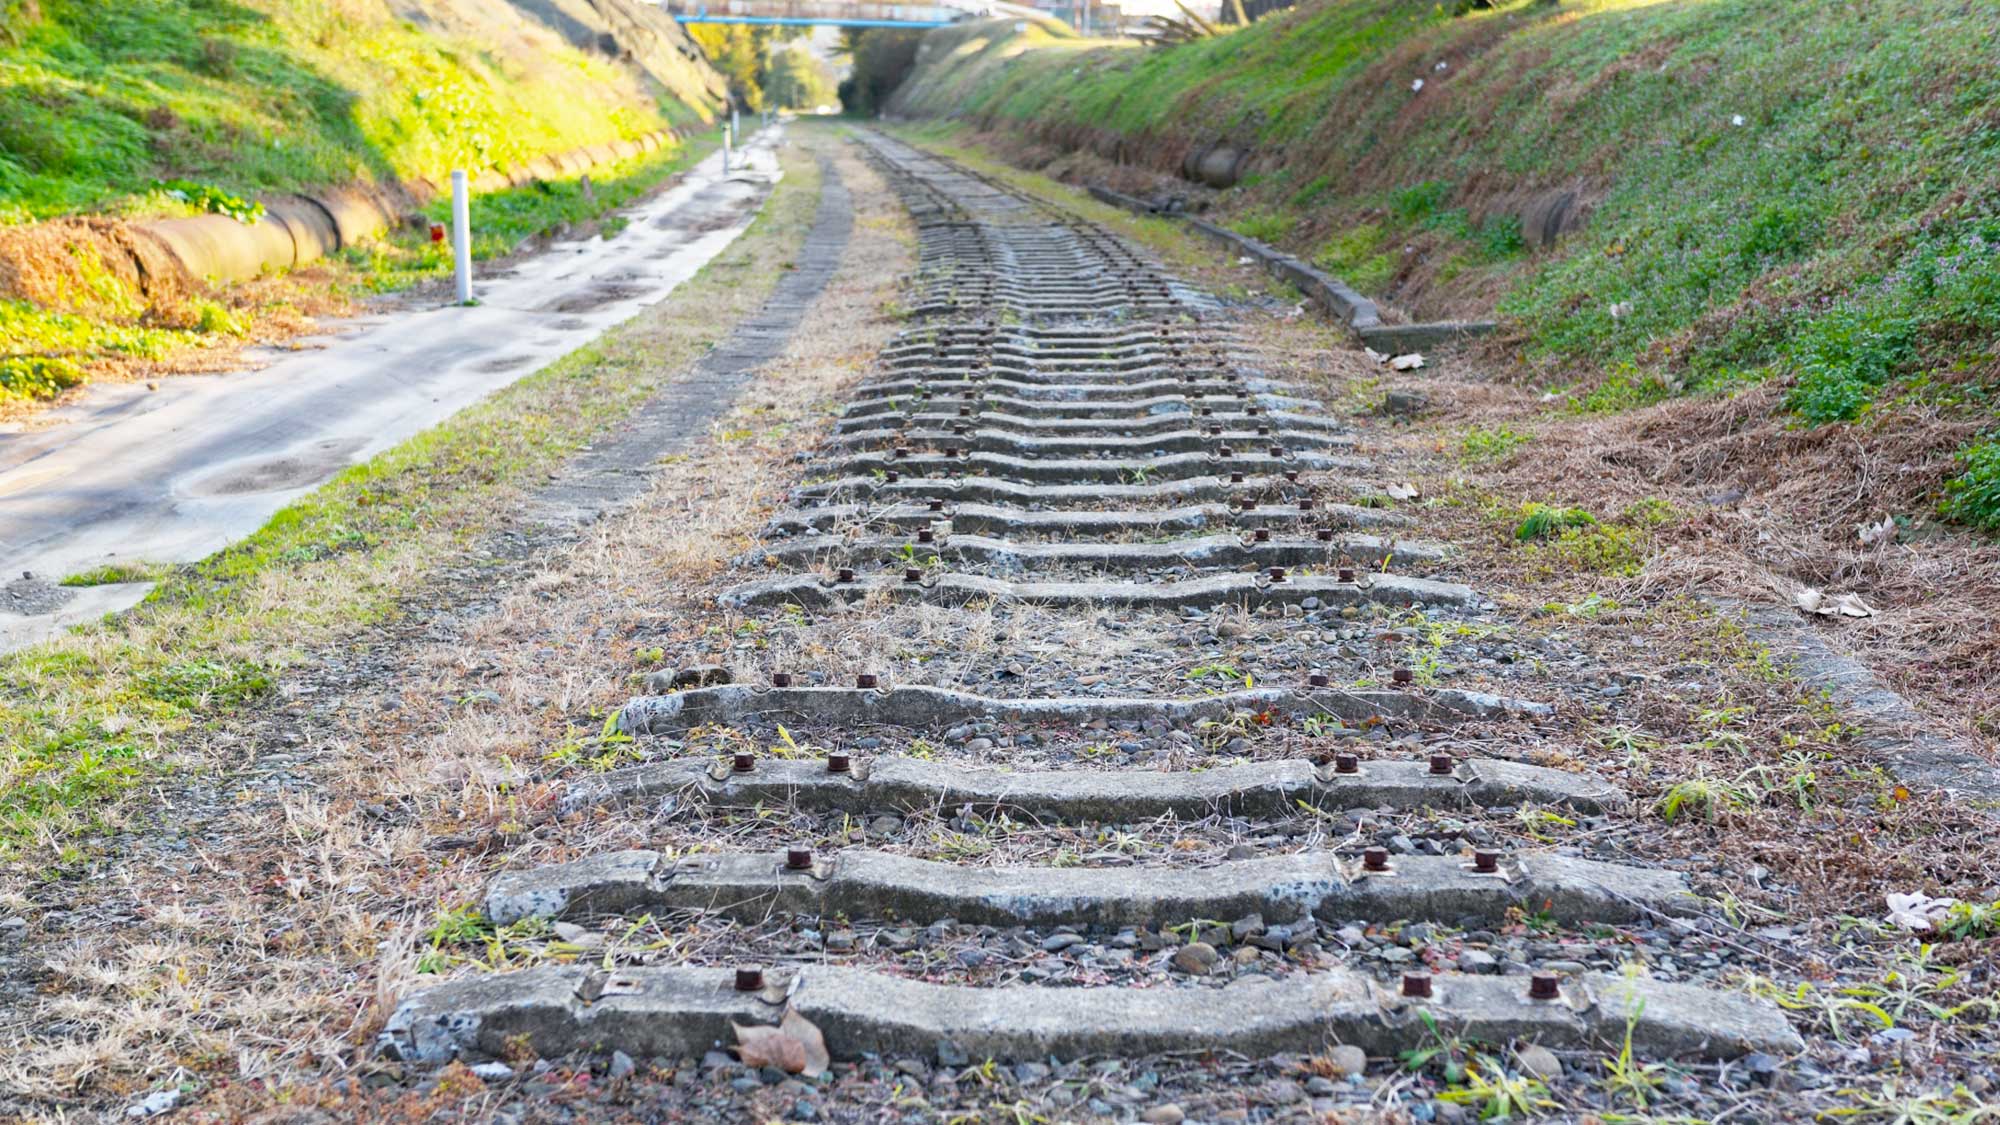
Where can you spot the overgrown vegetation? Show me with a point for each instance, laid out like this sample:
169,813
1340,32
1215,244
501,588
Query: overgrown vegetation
1802,193
99,101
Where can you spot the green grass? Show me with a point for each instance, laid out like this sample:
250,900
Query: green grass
111,574
100,102
87,717
1803,193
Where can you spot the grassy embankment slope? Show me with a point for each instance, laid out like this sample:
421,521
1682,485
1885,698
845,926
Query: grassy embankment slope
163,107
1795,196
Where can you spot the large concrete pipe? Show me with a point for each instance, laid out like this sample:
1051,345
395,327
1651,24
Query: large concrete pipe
300,229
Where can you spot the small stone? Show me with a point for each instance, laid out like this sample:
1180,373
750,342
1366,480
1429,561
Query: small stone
1404,404
154,1104
1347,1060
950,1053
1478,961
1395,954
493,1072
1056,943
1196,957
1169,1114
1247,927
1540,1062
1242,851
622,1065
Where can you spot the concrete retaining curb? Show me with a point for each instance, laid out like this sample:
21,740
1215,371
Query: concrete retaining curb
1336,297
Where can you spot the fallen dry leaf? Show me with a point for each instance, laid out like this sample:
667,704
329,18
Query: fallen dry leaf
808,1036
1403,491
769,1046
795,1046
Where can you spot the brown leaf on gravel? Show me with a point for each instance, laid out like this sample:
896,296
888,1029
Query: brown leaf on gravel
808,1035
795,1046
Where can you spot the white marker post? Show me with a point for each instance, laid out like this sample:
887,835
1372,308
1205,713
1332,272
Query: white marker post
461,235
725,150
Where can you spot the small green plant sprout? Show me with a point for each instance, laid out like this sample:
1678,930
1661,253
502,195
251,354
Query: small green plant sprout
1702,796
1496,1093
1541,521
1446,1052
1625,1078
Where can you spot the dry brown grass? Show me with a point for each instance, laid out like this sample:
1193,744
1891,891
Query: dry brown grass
272,949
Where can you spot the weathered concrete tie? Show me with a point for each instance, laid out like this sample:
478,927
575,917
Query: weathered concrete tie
683,1012
1005,557
860,883
986,439
1251,590
1277,790
922,707
1107,470
915,484
975,518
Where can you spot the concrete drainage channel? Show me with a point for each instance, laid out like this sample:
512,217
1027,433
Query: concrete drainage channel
1062,395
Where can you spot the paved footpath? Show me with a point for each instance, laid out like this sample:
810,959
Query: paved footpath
175,474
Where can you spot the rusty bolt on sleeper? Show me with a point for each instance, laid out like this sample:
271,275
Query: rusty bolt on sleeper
1417,986
1236,478
1277,574
781,679
1402,676
1317,678
1485,861
913,574
867,681
844,574
839,762
1544,986
1325,535
936,504
743,763
926,535
892,476
1305,502
1261,535
1375,859
1443,764
798,859
1346,763
1278,452
749,980
1346,572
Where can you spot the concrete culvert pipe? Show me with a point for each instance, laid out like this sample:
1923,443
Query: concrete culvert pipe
1218,166
296,230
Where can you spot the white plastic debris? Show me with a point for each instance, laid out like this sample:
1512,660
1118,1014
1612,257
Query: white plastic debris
1409,362
1831,605
1416,86
1375,356
1736,119
1621,309
1918,913
1441,65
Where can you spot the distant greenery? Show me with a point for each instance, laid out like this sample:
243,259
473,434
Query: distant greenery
100,100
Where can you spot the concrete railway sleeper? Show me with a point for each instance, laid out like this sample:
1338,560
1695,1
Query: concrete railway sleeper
1235,551
1470,891
1006,519
1274,789
1063,385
